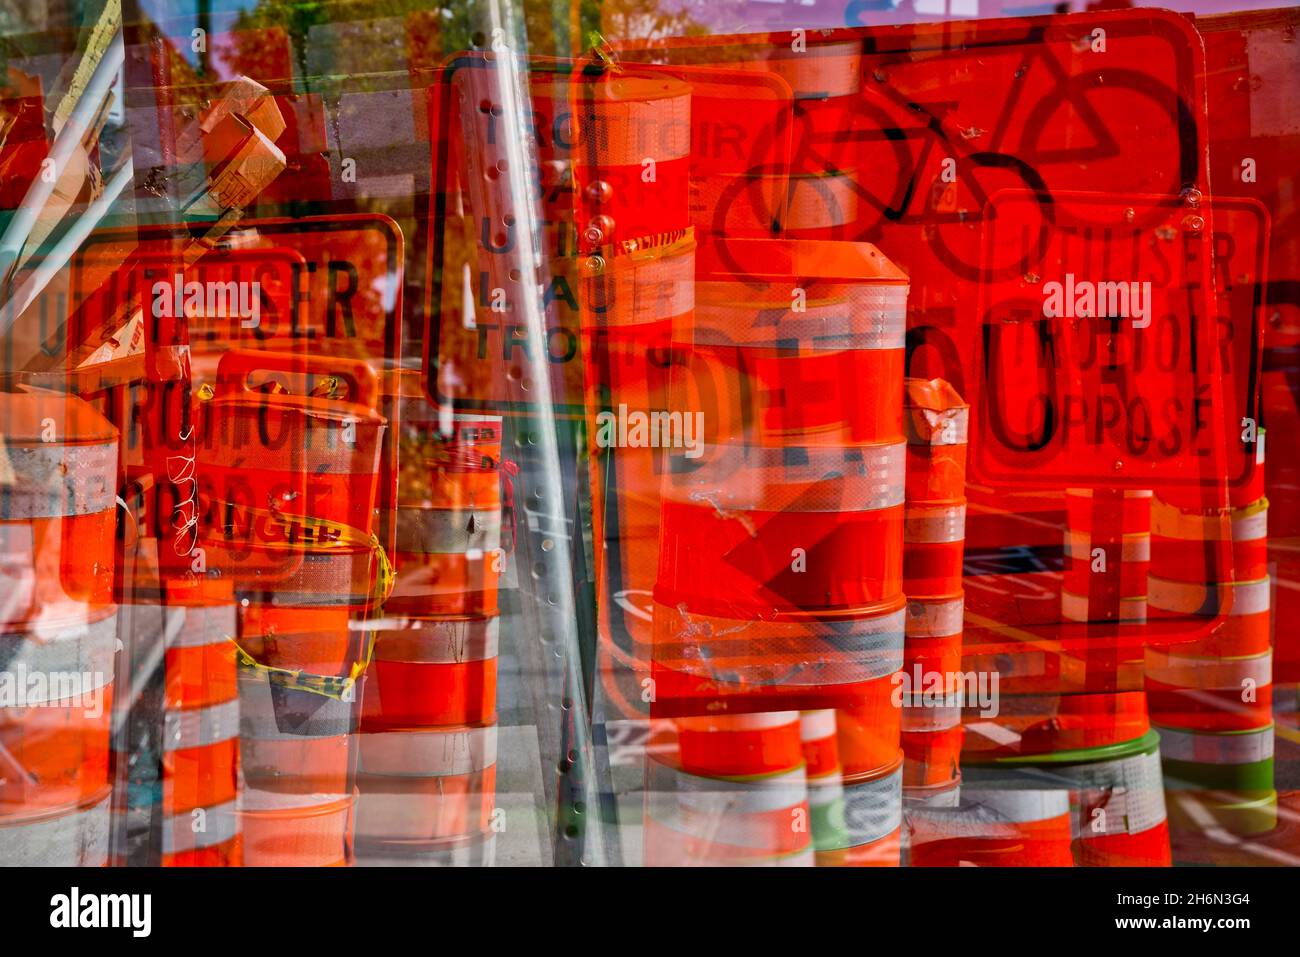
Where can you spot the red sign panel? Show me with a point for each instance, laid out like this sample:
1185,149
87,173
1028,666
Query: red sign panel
1126,354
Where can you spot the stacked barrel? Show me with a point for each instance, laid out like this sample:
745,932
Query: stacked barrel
733,792
1107,559
58,628
816,196
289,464
1209,661
427,767
780,564
1085,756
200,742
937,422
624,141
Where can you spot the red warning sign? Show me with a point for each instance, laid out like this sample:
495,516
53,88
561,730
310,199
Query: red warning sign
1126,353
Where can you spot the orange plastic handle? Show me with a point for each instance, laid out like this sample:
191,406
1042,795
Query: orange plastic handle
237,365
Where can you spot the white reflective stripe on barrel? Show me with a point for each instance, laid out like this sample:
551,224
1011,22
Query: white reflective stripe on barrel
873,808
1019,806
258,801
1075,608
69,837
816,725
1239,524
1234,747
438,641
866,317
1240,598
825,790
1130,493
65,655
200,727
1129,790
1135,547
934,524
432,752
51,480
796,653
201,625
447,530
935,618
199,828
1207,674
920,720
851,480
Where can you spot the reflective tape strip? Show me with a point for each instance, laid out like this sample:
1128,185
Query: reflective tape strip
1238,598
1019,806
1128,493
1076,608
68,838
780,653
945,795
201,626
722,796
434,530
257,801
935,619
446,641
823,792
760,721
627,131
1239,524
83,652
192,830
436,752
56,481
200,727
1208,674
1133,548
931,524
936,718
861,479
478,850
816,725
270,713
640,288
828,70
1129,791
868,317
873,808
1239,747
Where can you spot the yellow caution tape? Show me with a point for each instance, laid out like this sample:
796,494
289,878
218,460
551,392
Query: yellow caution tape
327,686
322,535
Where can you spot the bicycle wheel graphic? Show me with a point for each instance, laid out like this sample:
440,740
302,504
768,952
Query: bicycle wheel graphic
1143,139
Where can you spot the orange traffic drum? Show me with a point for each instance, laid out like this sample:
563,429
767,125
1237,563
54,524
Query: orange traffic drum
725,821
70,836
57,508
288,464
431,785
56,694
429,672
